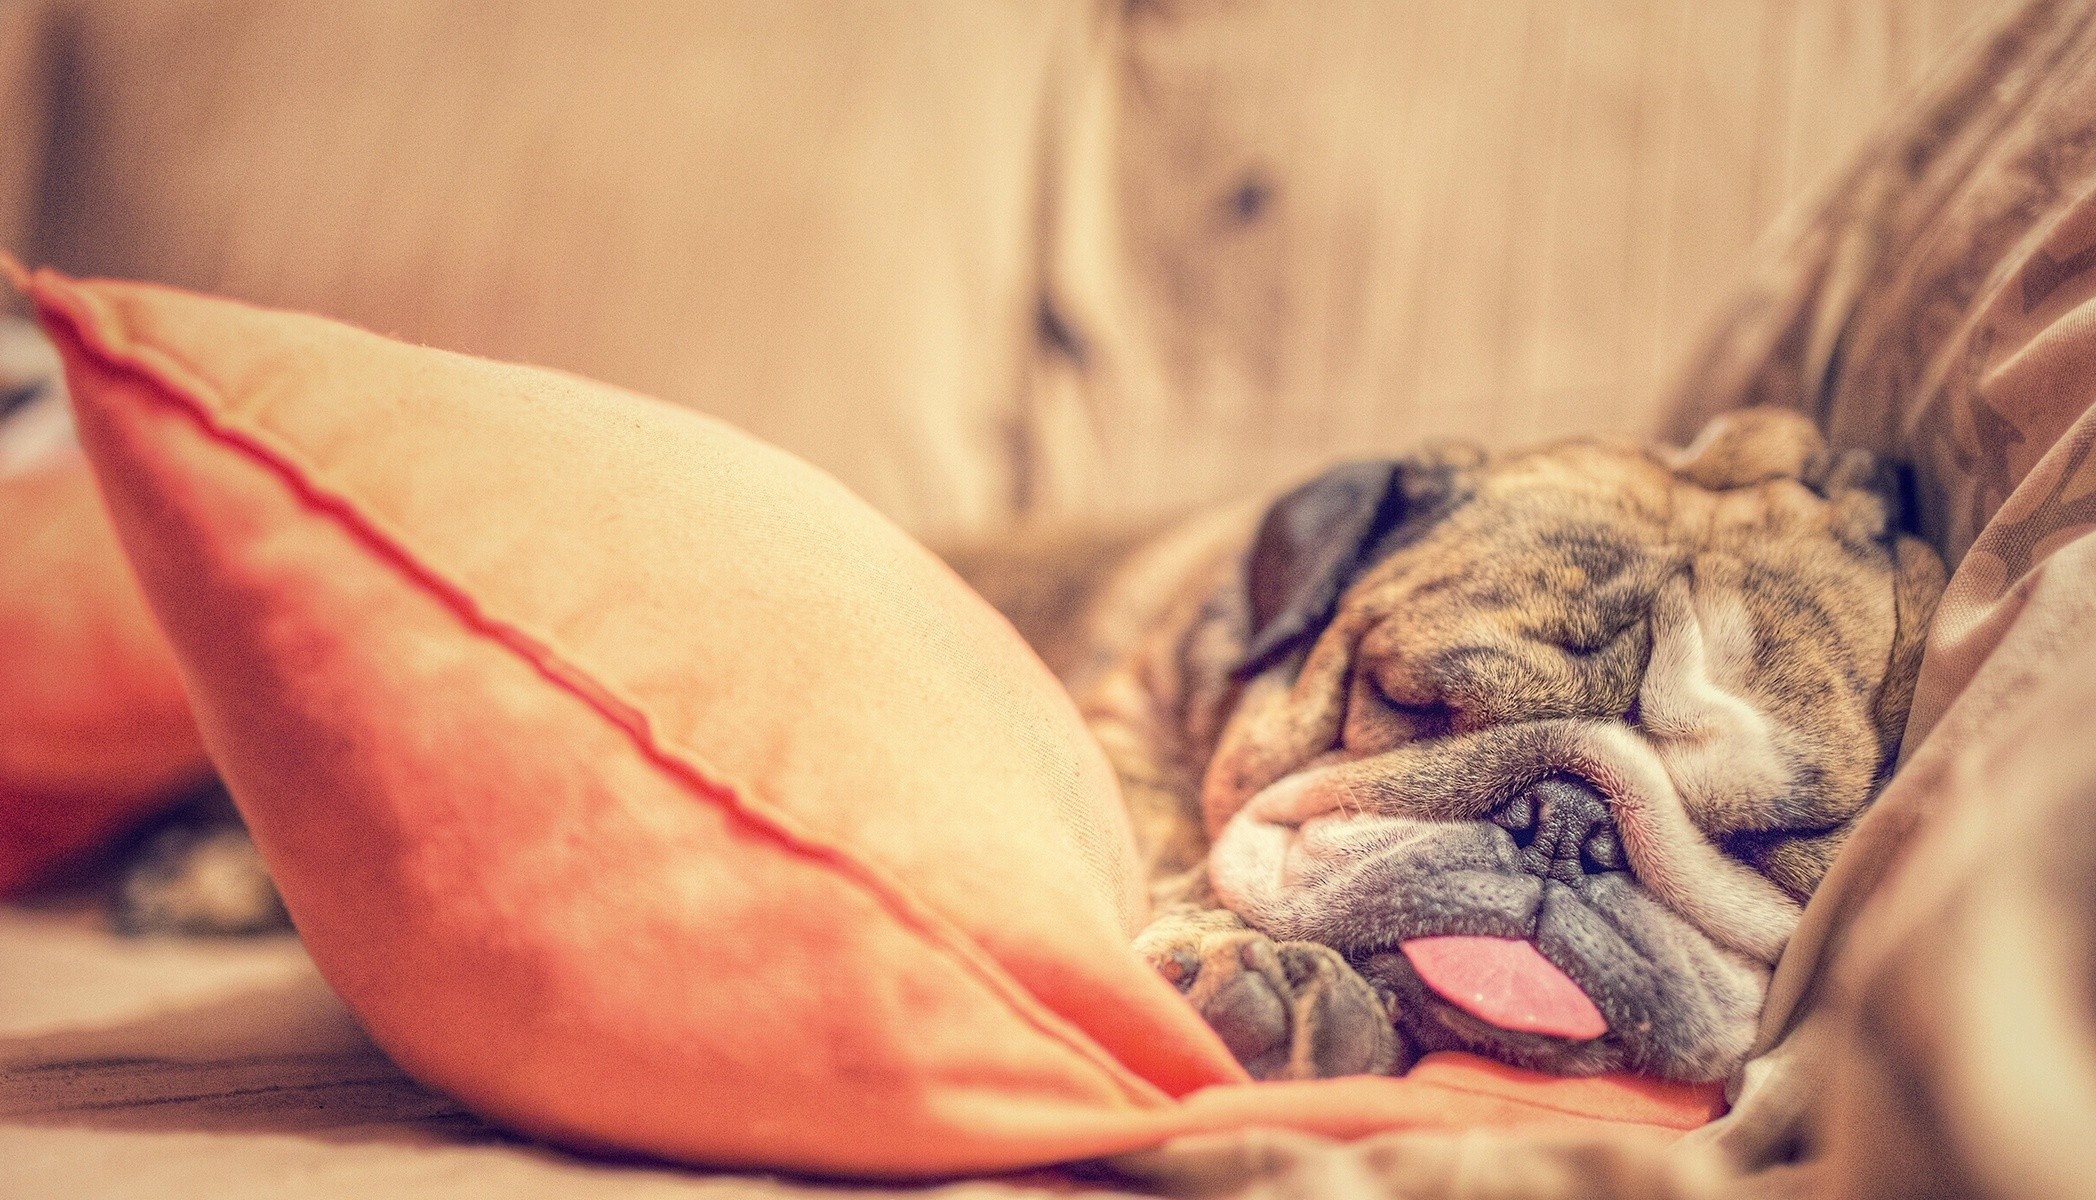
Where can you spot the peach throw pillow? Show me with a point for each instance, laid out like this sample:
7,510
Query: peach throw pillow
637,784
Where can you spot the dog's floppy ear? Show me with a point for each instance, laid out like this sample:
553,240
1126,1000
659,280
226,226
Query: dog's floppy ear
1316,539
1751,445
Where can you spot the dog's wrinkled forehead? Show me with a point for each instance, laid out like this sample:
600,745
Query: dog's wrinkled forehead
1580,529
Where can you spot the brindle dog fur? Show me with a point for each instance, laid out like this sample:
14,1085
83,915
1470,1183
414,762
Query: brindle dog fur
1625,703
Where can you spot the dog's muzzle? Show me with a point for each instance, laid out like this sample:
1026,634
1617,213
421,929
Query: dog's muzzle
1559,864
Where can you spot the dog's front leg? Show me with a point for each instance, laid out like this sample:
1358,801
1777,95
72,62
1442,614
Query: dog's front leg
1287,1010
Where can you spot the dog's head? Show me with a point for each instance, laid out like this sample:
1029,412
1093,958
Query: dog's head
1623,704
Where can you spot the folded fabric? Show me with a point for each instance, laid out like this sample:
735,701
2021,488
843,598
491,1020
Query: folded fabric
638,785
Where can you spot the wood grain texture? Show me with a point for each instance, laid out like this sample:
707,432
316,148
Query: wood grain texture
1310,231
988,262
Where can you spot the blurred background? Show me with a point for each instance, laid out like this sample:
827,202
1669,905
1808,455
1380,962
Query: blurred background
990,263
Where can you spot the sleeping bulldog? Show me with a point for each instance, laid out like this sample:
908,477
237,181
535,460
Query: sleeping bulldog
1535,756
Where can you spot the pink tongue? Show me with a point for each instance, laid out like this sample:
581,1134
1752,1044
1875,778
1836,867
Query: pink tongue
1506,982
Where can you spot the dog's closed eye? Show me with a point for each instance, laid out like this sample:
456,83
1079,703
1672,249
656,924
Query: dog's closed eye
1377,722
1792,859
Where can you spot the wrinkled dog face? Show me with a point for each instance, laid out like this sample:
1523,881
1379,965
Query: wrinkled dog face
1624,705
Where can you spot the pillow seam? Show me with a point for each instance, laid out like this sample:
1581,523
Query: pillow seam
182,382
1559,1108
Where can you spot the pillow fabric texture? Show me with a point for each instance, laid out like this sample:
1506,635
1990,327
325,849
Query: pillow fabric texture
95,732
638,785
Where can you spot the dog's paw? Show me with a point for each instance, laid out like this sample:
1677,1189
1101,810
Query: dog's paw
1287,1010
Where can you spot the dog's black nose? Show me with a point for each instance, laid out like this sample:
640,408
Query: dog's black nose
1564,830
